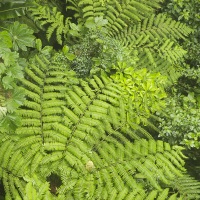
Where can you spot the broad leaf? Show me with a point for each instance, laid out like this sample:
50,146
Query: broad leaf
9,58
22,36
17,99
10,122
5,40
7,82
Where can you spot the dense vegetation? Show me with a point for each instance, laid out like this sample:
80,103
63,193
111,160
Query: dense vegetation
99,99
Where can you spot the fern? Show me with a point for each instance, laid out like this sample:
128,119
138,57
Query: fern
155,39
77,133
188,186
136,26
54,18
9,9
133,23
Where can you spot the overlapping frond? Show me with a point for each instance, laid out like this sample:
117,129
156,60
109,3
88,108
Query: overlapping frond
79,132
155,39
44,15
131,22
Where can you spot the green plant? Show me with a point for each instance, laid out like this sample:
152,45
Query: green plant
144,89
153,38
79,131
180,122
95,51
187,11
11,70
11,9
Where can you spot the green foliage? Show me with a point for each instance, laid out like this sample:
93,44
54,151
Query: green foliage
146,90
35,189
180,122
187,11
153,37
22,36
80,131
87,138
187,89
183,184
119,14
17,36
95,51
130,28
54,18
11,9
11,96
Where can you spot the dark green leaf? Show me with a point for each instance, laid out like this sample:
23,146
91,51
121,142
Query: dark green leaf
22,36
12,9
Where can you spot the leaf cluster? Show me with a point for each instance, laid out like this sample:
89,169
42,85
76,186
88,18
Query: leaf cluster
81,131
187,11
144,89
95,51
180,122
17,36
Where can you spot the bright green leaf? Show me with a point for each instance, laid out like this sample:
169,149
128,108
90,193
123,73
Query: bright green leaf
7,82
90,24
5,40
2,68
70,56
38,44
65,49
10,58
99,21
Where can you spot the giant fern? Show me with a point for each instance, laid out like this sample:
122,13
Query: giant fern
131,22
80,132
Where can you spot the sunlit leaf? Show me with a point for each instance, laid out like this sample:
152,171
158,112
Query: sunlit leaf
5,40
3,111
10,58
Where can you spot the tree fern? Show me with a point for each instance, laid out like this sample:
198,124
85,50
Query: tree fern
131,22
53,18
155,38
82,139
136,26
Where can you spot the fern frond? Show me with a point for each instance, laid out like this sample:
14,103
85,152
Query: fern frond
52,17
155,38
188,187
82,133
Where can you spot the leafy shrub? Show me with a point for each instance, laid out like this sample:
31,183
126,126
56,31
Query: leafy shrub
96,51
187,11
180,122
17,36
144,89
